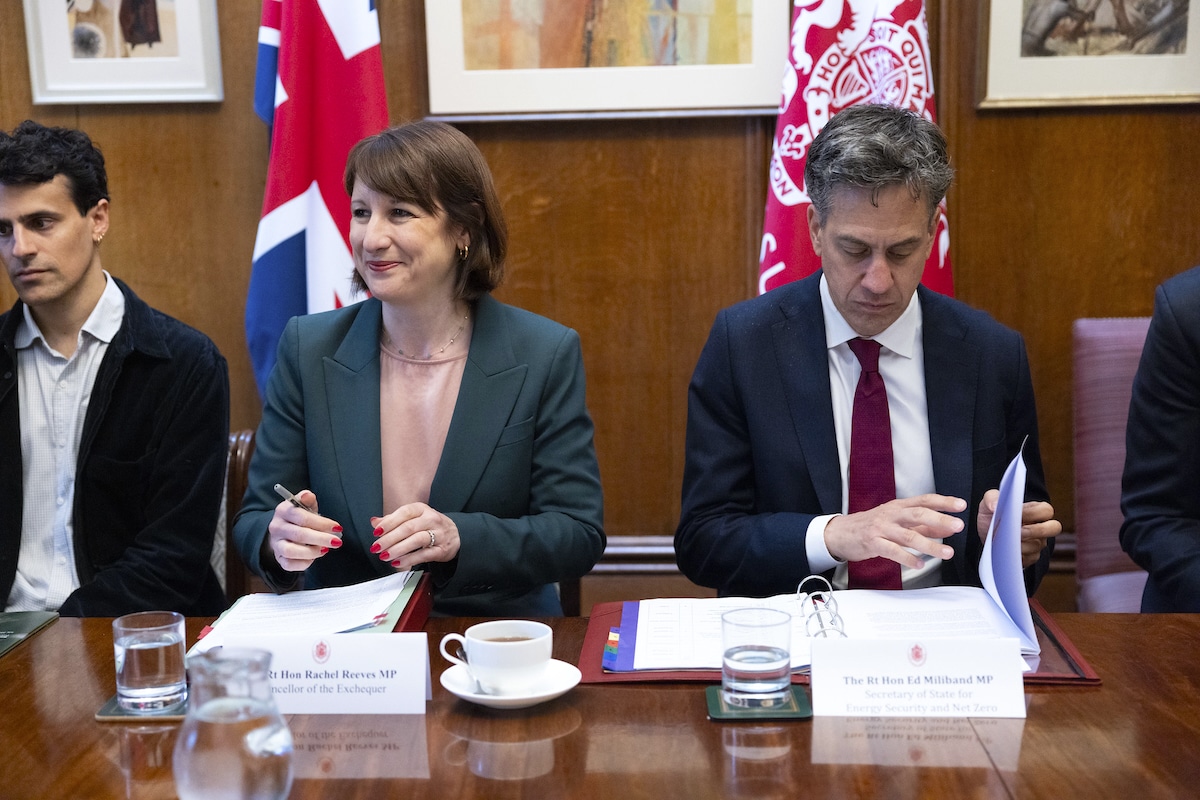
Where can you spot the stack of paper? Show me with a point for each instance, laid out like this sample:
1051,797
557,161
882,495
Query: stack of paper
371,606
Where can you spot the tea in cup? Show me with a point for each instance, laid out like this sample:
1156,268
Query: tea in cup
506,657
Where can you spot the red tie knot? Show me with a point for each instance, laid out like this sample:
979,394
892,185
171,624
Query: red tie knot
867,353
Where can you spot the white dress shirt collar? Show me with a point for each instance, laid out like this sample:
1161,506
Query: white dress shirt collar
102,324
900,337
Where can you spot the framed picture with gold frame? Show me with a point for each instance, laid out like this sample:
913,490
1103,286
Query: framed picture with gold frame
123,51
586,57
1089,52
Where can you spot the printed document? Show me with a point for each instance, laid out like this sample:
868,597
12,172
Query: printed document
685,633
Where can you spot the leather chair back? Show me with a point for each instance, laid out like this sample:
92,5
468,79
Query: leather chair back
1106,354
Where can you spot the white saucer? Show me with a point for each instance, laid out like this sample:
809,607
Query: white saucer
561,678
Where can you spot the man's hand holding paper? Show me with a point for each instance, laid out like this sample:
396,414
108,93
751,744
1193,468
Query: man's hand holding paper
1037,525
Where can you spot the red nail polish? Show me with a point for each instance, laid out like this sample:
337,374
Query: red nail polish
378,531
375,548
384,556
396,563
335,543
324,550
337,528
375,520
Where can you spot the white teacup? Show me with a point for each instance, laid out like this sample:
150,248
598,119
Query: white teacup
507,656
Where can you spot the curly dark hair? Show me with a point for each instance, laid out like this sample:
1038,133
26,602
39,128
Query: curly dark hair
34,154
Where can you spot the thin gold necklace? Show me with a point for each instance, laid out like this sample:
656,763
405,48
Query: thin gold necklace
430,355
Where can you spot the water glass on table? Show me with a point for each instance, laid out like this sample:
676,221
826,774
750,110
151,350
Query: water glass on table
148,650
756,671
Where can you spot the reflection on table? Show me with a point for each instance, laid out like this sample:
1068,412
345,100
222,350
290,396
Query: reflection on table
1137,735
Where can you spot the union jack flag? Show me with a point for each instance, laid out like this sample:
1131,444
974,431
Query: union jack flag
843,52
319,85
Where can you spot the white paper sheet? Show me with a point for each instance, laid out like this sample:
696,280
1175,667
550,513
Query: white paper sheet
312,611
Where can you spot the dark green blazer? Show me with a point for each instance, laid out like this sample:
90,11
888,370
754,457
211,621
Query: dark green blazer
518,473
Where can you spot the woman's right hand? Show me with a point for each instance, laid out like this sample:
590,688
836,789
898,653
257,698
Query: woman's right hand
297,537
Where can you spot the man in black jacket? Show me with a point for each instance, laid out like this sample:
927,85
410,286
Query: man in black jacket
114,417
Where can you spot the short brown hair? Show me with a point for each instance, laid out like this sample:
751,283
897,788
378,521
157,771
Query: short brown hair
873,146
436,167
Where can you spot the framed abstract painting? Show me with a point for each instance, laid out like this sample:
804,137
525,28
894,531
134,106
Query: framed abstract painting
605,57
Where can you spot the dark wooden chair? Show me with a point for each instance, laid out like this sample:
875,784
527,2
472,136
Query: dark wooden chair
237,575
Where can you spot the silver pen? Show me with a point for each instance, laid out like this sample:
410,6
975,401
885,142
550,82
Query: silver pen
291,498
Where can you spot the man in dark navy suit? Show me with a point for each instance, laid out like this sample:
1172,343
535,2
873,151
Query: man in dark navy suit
1160,491
771,406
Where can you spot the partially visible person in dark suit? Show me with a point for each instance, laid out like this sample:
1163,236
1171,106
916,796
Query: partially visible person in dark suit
1160,490
114,417
770,476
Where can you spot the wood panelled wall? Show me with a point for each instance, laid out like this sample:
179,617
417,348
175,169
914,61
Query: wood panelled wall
1061,213
636,232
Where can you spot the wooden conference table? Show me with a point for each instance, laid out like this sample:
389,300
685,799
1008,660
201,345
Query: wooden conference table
1137,735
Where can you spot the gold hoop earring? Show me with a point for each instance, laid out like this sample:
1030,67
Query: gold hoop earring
99,239
462,254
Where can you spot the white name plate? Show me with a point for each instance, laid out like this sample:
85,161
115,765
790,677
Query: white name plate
931,678
347,673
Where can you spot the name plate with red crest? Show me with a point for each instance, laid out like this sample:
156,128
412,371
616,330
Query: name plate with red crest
959,677
346,673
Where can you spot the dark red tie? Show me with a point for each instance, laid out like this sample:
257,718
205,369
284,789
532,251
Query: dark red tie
872,473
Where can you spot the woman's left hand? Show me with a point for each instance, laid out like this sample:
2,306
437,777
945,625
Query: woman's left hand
414,534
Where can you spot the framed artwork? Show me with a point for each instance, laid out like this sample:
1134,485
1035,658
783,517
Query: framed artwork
538,58
1089,52
123,51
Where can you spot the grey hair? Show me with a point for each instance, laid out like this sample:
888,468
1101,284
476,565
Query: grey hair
873,147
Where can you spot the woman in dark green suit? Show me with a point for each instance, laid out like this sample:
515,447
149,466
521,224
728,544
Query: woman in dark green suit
430,426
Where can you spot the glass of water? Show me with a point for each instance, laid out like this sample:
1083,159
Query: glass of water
148,650
756,671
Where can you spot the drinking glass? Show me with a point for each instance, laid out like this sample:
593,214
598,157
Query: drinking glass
756,668
148,650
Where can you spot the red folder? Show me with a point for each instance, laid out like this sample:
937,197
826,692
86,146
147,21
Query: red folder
416,611
1061,662
606,616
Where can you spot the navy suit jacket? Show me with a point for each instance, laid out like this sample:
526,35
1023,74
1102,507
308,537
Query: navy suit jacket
762,456
518,473
1160,490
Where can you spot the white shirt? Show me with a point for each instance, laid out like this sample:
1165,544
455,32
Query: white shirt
53,393
902,366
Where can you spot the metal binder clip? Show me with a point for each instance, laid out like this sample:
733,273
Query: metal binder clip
819,609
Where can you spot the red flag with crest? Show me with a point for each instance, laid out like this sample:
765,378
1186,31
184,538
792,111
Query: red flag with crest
843,52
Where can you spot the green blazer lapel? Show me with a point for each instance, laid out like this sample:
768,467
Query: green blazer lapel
352,386
491,384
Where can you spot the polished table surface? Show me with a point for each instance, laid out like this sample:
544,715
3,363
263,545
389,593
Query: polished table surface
1137,735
